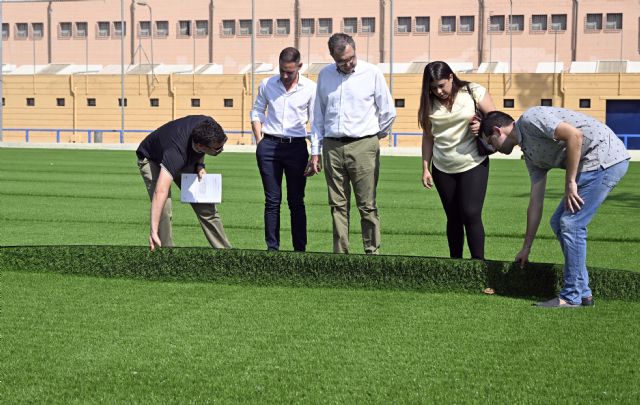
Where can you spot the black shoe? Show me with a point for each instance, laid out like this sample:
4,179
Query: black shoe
588,302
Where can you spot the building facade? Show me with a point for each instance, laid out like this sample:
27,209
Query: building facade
522,34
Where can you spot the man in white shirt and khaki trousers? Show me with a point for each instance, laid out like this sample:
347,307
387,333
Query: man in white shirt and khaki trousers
353,110
279,116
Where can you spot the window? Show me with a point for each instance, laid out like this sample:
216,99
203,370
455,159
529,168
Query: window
184,28
154,102
350,25
60,102
22,31
37,30
307,26
31,102
118,29
593,22
162,29
467,23
539,22
195,102
585,103
368,24
120,102
546,102
202,28
404,24
399,102
448,24
228,103
144,29
614,21
81,30
91,102
283,26
228,28
64,30
508,103
266,27
5,31
558,22
516,23
325,26
496,23
245,27
423,24
104,29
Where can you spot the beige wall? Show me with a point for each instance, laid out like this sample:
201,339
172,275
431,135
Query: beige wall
175,92
528,47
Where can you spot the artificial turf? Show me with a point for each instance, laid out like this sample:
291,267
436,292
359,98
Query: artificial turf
97,197
70,339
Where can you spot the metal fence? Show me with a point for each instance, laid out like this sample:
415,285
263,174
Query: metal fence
631,141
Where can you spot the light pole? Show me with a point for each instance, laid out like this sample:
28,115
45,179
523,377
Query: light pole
621,36
144,3
510,36
490,39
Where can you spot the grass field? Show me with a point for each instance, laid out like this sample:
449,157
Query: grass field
78,339
97,197
69,339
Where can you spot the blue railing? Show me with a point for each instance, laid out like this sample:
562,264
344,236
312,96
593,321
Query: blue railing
631,141
90,133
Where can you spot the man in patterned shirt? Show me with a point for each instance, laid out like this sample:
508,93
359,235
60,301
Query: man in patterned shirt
594,159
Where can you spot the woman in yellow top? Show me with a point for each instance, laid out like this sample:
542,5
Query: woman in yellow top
448,120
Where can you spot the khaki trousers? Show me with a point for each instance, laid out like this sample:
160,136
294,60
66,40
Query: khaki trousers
353,164
207,214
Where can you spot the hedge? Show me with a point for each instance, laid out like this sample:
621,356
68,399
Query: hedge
312,270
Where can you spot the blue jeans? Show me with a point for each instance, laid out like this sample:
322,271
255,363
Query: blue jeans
571,228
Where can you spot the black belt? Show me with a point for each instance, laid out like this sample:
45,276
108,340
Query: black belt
347,139
285,139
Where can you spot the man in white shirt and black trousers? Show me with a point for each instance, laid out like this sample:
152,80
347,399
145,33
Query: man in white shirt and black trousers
353,110
279,116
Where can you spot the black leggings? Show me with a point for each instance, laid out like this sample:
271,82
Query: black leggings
462,196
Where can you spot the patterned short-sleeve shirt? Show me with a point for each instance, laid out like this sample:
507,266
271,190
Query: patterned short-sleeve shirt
600,145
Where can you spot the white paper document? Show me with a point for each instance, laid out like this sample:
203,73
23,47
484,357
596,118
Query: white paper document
209,190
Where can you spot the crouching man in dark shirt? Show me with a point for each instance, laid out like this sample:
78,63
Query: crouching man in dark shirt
176,147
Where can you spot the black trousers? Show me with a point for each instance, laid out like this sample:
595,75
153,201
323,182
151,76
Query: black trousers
462,196
276,158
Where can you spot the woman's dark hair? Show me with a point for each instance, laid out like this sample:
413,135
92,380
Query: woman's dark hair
208,132
433,72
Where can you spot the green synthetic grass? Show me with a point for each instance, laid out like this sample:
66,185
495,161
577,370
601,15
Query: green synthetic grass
295,269
71,339
97,197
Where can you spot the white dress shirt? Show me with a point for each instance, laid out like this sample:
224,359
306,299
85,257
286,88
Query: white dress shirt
283,112
351,105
